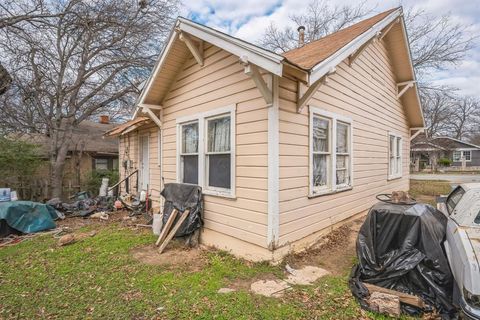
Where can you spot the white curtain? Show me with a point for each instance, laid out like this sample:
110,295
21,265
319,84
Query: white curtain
190,138
219,135
320,134
342,138
319,170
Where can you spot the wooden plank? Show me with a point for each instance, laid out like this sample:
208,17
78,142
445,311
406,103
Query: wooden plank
166,227
183,216
404,297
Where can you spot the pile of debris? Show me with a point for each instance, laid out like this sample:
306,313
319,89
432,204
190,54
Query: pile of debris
402,266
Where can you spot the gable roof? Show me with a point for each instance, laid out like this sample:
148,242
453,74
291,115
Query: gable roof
309,64
311,54
126,127
442,142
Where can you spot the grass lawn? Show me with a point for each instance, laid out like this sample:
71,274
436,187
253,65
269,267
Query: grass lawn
97,278
427,190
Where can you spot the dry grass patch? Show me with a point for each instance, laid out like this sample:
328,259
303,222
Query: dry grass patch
427,190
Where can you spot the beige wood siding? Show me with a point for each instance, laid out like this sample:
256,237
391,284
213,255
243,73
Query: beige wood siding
219,83
128,150
365,92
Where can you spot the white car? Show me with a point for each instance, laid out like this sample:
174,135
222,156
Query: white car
462,246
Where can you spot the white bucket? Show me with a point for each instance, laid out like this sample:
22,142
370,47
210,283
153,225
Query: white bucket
157,224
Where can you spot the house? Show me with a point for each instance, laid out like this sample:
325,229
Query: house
286,147
88,151
426,152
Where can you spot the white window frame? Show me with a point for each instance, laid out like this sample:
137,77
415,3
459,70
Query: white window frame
462,155
397,157
180,152
332,186
202,148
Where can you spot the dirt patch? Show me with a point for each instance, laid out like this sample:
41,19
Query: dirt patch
185,258
122,217
335,252
245,283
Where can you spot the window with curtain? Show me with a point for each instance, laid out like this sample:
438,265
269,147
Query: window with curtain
394,156
218,152
343,154
189,153
321,152
331,152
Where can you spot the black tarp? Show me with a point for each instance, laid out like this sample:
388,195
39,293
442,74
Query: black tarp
400,247
183,196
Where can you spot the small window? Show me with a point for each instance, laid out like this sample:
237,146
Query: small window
457,155
321,153
206,151
101,164
394,156
454,198
331,152
189,153
467,155
218,154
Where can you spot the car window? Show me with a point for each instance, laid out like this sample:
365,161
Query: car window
477,219
454,198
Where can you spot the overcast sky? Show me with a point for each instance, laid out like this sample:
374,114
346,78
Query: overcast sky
247,19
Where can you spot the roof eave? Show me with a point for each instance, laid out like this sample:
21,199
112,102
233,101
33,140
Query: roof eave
322,68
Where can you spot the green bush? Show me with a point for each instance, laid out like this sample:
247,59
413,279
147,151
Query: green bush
445,162
94,180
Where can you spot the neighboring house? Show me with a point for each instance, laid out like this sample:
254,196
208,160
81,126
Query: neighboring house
425,152
88,150
285,147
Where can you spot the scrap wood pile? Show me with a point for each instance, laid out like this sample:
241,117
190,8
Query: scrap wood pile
182,214
402,266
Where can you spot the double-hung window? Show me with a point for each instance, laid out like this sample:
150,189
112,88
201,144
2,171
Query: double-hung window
394,156
330,152
460,155
206,151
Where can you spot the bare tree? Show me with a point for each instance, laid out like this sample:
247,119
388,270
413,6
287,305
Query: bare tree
319,19
437,110
465,118
80,59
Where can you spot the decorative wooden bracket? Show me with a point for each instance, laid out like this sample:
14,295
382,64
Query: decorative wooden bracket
388,28
197,51
406,85
353,56
418,131
147,110
252,71
303,99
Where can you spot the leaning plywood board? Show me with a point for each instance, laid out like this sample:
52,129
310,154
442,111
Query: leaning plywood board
404,297
184,216
167,226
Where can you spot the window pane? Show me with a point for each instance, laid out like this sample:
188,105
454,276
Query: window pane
190,138
341,162
219,135
467,155
399,153
320,134
342,177
219,170
320,170
190,169
342,137
392,146
101,164
456,155
392,165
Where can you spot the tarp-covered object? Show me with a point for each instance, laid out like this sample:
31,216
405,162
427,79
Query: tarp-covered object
400,247
182,196
27,216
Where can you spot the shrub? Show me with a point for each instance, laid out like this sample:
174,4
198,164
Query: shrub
445,162
94,180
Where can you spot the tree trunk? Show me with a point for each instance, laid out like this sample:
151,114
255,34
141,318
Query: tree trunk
59,150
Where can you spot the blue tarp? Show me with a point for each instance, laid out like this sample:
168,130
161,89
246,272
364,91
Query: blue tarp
28,216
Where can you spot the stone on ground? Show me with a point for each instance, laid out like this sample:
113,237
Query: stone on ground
226,290
385,303
307,275
269,288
